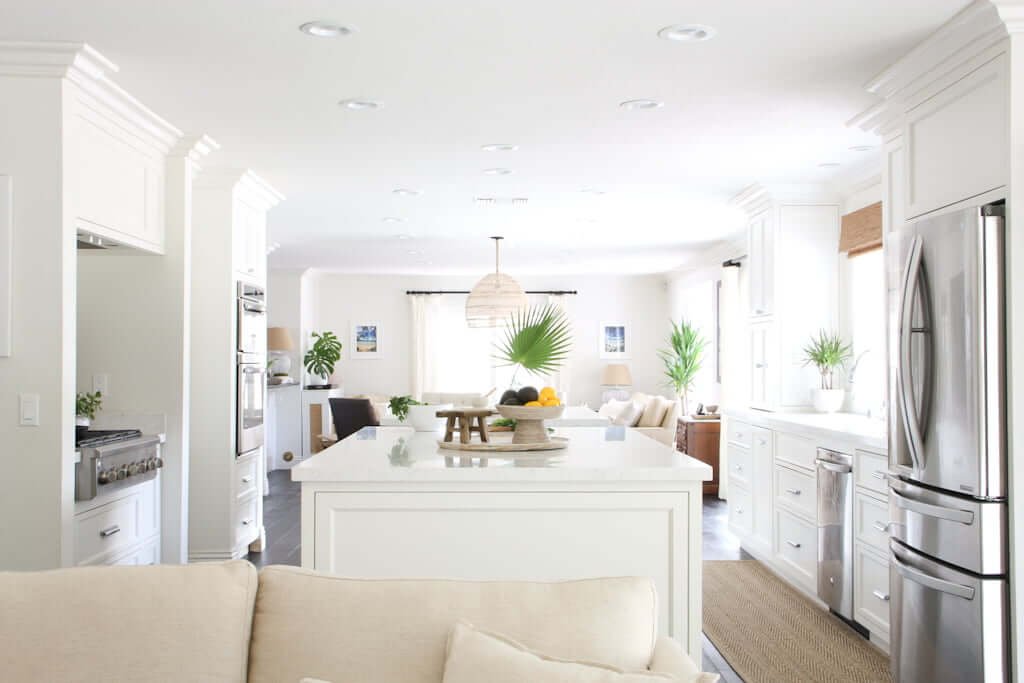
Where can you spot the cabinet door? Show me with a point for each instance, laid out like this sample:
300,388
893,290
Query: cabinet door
250,243
760,357
760,247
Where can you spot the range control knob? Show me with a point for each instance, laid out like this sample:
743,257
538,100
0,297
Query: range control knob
104,477
159,461
151,464
122,472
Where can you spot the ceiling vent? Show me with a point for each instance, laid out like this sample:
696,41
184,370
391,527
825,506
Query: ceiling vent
502,201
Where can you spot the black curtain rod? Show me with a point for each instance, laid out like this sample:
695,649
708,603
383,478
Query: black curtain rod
466,291
734,262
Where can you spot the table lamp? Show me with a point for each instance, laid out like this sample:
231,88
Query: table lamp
615,376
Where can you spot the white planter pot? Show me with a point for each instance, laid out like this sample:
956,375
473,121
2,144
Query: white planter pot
425,419
828,400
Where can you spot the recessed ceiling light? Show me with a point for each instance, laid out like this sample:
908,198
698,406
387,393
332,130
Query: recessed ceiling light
358,104
404,237
413,252
687,33
500,147
829,164
497,171
405,192
325,29
862,148
393,219
640,104
592,190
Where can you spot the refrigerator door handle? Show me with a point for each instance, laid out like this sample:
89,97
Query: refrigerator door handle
919,577
904,379
929,510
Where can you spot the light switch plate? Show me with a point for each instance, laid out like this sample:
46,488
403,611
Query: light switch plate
29,412
101,383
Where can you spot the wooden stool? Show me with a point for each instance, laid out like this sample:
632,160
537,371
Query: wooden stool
466,427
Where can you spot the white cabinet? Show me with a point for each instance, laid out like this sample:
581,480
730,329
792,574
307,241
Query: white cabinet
119,528
749,462
761,256
796,549
957,140
250,242
871,544
762,457
793,254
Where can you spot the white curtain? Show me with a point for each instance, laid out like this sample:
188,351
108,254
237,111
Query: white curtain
734,352
561,379
423,309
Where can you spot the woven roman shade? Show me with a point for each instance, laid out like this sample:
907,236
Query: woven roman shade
861,230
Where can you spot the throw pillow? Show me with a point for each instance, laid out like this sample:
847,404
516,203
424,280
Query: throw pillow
628,415
475,656
654,412
612,408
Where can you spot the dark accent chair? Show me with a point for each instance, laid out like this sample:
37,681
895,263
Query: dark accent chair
352,414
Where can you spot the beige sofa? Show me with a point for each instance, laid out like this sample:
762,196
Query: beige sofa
223,622
636,413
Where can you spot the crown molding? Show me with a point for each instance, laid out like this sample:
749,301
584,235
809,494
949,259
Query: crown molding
756,198
1012,14
752,199
81,64
251,188
195,147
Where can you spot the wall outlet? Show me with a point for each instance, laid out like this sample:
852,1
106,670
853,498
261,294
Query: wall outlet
101,383
28,414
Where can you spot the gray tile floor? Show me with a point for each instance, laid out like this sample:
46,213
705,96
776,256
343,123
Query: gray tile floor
284,541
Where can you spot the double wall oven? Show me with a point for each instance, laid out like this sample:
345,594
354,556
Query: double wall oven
252,367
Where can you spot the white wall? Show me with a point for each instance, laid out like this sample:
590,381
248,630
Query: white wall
37,503
284,309
336,301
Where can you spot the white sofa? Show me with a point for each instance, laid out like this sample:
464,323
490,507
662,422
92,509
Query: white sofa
636,412
223,622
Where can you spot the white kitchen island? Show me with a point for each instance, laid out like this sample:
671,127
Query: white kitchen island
388,502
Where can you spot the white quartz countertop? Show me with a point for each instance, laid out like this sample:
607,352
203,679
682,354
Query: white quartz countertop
594,454
869,432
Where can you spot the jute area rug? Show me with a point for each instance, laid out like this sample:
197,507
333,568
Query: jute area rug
770,633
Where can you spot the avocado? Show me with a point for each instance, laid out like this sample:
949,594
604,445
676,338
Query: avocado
510,393
512,401
527,394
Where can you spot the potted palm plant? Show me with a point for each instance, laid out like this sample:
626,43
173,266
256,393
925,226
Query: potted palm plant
683,360
321,359
827,352
537,339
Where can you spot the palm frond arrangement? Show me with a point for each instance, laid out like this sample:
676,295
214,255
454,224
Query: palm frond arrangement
828,352
684,357
538,339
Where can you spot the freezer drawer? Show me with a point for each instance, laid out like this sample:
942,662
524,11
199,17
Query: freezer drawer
947,625
964,532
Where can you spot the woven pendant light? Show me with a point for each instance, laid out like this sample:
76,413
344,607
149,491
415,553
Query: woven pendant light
495,297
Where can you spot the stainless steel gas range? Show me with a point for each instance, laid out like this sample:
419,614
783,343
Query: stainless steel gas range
115,459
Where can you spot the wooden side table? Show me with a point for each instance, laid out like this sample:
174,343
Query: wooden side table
700,439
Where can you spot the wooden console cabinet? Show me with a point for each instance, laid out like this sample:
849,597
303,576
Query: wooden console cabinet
699,439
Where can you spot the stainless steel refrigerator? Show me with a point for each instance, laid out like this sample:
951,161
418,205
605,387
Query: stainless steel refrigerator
947,449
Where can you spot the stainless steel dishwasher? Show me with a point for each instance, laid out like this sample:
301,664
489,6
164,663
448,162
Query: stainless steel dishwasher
835,531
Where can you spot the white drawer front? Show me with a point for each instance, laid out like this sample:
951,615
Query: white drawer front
796,547
247,521
740,433
796,450
107,528
871,517
796,490
762,442
871,592
740,465
869,470
246,473
740,514
146,555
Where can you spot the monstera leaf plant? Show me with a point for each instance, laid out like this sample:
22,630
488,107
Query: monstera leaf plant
538,339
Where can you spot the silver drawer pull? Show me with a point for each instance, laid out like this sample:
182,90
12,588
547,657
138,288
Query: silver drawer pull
794,492
246,522
246,480
880,474
109,531
739,511
760,366
881,526
738,468
884,597
794,544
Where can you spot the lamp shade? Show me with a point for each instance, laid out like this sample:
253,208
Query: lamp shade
493,300
279,339
616,375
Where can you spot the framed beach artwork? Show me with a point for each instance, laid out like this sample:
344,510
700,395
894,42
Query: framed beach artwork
614,340
366,341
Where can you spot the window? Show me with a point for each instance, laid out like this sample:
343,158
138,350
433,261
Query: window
866,304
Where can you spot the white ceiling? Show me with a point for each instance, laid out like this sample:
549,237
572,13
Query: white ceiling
766,100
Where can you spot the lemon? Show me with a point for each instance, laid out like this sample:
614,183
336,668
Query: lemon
534,404
548,392
551,402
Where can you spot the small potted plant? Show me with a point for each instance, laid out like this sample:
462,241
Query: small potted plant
86,407
683,360
321,359
827,352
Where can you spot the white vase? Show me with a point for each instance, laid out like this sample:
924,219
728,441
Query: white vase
425,419
828,400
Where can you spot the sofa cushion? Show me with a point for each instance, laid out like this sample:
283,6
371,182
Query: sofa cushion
629,415
654,411
474,656
372,631
160,623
